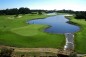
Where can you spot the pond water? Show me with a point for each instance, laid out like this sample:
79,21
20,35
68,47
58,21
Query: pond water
58,24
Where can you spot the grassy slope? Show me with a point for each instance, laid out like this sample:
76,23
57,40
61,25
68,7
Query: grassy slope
80,37
15,32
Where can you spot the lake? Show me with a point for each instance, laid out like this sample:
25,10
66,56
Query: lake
58,24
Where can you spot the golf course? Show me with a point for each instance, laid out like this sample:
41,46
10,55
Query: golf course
15,32
42,28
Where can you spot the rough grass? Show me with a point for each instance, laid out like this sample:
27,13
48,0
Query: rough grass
16,32
80,37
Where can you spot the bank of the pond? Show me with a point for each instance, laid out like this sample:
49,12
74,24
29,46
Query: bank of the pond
80,38
17,33
71,22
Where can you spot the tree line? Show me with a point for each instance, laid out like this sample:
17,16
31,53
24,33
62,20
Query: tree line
66,11
15,11
80,15
23,10
77,14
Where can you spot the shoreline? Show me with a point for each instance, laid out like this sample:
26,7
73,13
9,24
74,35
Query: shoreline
75,22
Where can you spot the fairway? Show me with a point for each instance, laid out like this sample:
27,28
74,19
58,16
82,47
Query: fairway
14,31
80,37
29,30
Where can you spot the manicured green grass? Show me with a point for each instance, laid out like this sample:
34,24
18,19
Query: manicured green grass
10,22
16,32
29,30
80,37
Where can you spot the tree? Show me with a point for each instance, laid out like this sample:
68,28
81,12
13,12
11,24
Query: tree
62,55
39,12
80,15
6,52
23,10
13,11
27,11
2,12
73,54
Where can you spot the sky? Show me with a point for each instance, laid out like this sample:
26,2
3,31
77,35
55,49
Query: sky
76,5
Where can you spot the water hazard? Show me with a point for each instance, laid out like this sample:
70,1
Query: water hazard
58,24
